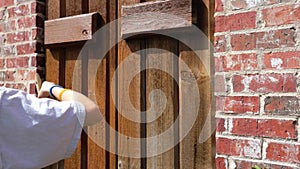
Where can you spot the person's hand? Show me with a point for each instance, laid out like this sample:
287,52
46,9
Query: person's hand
45,90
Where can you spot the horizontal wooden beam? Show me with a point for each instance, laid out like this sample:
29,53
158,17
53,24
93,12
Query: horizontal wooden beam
71,29
150,17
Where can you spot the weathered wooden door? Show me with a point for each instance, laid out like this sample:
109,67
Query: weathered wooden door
64,44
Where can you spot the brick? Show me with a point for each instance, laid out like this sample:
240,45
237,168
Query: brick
282,60
281,15
219,63
246,4
220,84
264,83
6,3
25,75
20,86
238,104
7,26
237,62
26,48
1,63
276,39
241,42
238,147
29,48
9,75
220,163
32,88
19,62
9,50
17,37
249,164
264,40
30,21
2,39
220,43
220,125
20,10
2,14
12,25
239,4
2,29
219,6
234,22
284,152
282,105
264,128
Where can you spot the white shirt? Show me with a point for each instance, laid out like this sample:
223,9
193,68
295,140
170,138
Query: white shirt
36,132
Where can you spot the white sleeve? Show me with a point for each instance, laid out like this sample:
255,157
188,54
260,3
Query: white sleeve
37,132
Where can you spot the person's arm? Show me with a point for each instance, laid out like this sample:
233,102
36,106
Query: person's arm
92,110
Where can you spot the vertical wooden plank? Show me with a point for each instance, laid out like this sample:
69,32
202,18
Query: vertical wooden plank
101,7
125,126
195,154
73,7
97,91
211,31
71,58
158,79
192,153
112,113
111,16
107,10
54,58
129,129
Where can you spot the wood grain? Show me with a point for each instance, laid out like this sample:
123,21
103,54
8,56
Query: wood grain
125,126
112,15
194,155
54,59
98,157
73,7
75,160
150,17
97,91
70,29
158,79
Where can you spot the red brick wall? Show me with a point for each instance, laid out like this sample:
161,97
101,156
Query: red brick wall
21,39
257,59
